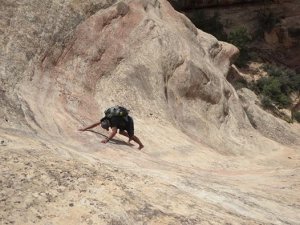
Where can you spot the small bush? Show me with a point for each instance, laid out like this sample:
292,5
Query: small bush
294,83
241,39
283,101
266,102
297,116
211,25
267,20
289,79
271,87
278,86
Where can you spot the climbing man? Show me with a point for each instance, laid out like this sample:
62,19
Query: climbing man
117,118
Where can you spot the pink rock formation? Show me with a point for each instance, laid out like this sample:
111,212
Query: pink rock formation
203,160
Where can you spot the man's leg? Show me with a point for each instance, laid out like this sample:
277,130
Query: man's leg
124,133
137,140
134,138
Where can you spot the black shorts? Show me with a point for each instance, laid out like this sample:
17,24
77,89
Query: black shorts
123,123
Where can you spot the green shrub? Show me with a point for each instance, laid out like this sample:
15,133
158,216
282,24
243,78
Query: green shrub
297,116
273,70
267,20
241,39
278,86
266,102
261,83
272,88
294,79
289,79
211,25
283,101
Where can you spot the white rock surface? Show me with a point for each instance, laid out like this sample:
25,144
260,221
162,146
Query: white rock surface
203,163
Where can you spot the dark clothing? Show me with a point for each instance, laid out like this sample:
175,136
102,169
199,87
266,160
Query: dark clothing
122,123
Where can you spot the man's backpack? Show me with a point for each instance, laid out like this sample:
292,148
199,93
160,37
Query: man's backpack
116,111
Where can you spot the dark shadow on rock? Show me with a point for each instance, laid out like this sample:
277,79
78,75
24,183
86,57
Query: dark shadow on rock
113,141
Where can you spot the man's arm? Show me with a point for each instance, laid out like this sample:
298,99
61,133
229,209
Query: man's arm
89,127
111,135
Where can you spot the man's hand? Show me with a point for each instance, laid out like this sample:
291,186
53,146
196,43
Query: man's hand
105,141
89,127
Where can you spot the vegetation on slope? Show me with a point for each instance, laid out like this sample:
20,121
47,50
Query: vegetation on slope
275,89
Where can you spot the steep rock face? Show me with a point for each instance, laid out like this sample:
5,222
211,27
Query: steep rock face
126,55
142,54
27,30
265,122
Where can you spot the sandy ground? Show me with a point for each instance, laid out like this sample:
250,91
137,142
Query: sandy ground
173,180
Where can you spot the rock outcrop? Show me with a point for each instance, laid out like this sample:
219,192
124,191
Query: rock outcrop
265,122
64,62
279,29
127,51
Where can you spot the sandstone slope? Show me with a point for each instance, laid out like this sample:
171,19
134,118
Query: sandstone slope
64,62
